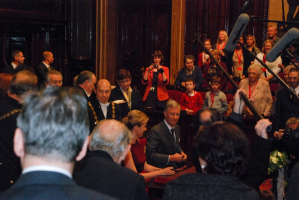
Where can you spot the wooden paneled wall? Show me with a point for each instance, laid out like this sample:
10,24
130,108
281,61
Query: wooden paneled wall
144,26
207,17
134,29
33,27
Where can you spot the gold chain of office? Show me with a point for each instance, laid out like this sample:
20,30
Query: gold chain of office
95,115
10,113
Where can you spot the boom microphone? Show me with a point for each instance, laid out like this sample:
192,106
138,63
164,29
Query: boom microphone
237,32
284,42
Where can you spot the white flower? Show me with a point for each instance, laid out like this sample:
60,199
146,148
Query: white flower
273,159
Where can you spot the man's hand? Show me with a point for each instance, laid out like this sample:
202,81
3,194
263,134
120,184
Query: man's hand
261,126
184,158
278,134
176,157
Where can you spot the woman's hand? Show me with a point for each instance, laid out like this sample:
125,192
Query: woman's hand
151,67
167,171
280,66
190,112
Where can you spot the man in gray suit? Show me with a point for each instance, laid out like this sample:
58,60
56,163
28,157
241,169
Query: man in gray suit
52,133
163,141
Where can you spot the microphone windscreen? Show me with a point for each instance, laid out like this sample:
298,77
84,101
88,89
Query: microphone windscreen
237,32
285,41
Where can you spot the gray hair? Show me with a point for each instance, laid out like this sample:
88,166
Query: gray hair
171,104
110,136
54,123
257,67
83,76
54,72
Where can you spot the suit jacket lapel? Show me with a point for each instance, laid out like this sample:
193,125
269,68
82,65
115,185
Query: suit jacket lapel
109,112
169,136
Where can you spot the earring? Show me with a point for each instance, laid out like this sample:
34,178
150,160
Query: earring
203,166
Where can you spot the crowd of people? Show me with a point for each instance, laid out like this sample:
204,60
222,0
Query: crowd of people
84,141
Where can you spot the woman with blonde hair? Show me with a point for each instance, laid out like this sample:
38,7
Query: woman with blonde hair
220,44
136,122
251,45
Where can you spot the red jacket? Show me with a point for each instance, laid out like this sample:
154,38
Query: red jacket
161,87
194,103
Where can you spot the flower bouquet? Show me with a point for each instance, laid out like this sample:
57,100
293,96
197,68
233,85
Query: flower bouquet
278,160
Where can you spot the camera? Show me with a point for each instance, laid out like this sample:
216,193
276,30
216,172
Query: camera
155,66
286,132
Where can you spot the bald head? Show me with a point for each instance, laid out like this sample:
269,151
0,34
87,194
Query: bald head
209,116
205,116
48,57
103,90
111,136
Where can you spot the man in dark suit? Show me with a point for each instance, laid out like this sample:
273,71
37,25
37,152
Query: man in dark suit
43,68
101,105
130,96
163,141
52,133
10,107
86,83
287,106
100,170
17,59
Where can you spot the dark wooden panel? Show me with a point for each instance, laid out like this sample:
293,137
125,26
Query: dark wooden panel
34,26
143,26
215,15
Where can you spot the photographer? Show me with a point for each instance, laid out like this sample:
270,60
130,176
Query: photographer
282,136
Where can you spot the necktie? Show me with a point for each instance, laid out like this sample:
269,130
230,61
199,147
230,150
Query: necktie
172,133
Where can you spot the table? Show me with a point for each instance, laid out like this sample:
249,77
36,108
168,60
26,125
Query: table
156,186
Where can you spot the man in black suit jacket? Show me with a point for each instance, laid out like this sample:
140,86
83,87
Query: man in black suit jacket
85,82
101,105
17,59
163,141
43,68
100,170
10,107
287,106
52,133
124,92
